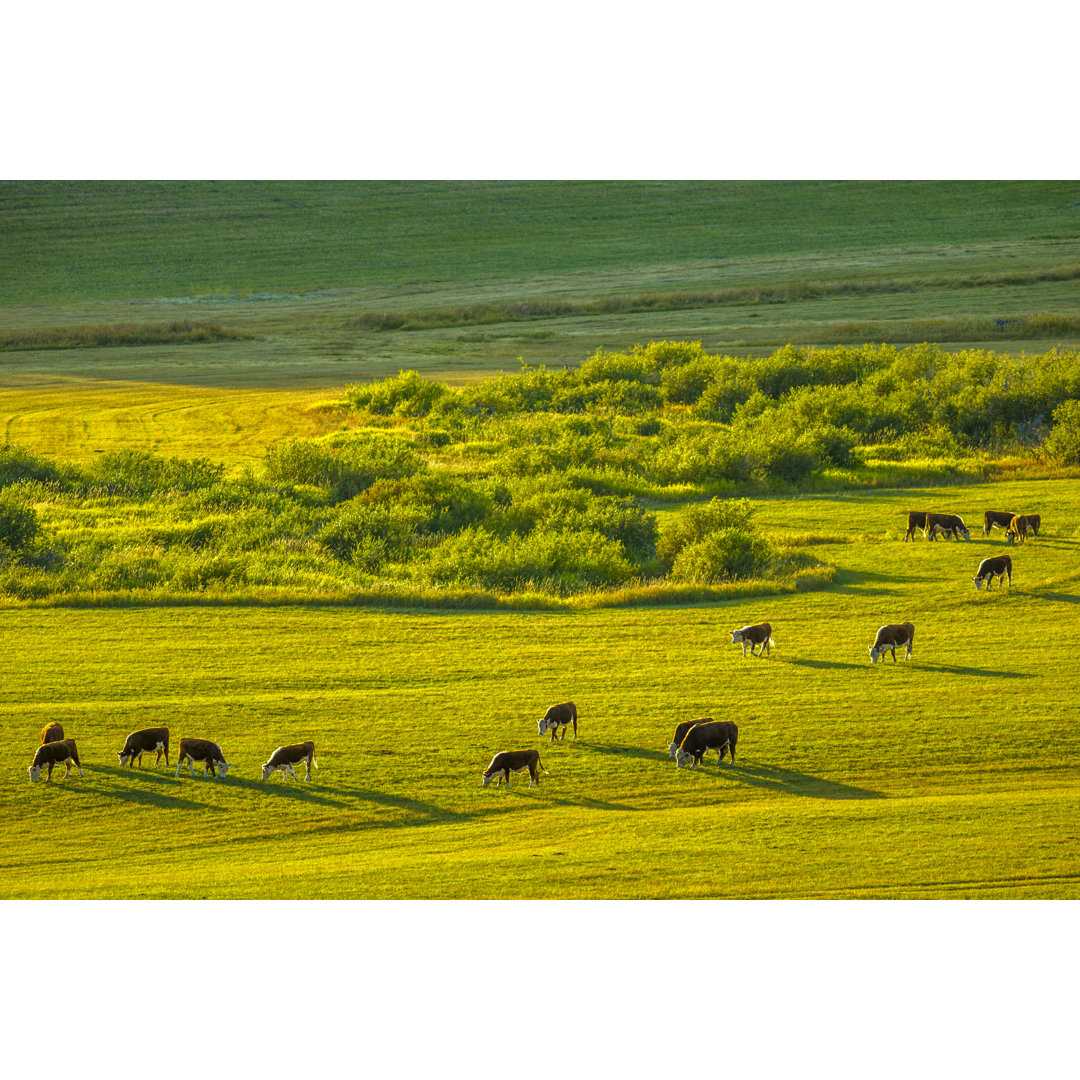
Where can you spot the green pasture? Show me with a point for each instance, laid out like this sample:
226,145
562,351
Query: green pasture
951,775
297,275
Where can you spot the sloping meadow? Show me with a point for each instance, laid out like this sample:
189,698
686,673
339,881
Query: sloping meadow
627,479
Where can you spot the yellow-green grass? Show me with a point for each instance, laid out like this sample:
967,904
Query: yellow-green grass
953,774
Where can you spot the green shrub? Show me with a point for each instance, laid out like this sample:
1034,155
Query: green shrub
140,474
1063,442
342,468
369,536
18,524
697,522
18,463
726,555
406,394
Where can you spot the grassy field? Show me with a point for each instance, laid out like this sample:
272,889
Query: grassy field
952,775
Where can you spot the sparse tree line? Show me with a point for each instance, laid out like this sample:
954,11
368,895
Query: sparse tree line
539,482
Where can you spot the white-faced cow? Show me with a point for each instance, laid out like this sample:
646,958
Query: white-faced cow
1021,526
559,716
718,735
996,519
680,733
753,635
147,741
888,638
1000,566
507,761
946,525
285,757
49,754
205,751
916,519
53,732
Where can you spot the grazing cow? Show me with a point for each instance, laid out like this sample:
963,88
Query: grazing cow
145,742
55,753
53,732
996,519
753,635
680,733
888,637
999,566
1021,525
946,524
285,757
715,735
916,519
559,716
507,761
205,751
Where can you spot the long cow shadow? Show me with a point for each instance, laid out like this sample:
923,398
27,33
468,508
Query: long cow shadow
1056,597
954,669
826,664
788,782
288,789
141,795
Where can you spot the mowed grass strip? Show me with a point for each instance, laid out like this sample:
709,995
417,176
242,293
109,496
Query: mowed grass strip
953,774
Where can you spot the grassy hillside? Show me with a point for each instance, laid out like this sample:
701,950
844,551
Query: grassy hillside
953,774
304,283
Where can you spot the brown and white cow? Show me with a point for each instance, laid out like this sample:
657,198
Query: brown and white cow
996,519
53,732
507,761
916,519
888,638
680,733
946,525
202,750
62,752
716,735
145,741
285,757
761,634
559,716
1000,566
1021,525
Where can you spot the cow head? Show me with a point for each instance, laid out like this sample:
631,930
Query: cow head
736,637
267,770
34,771
673,749
964,532
543,725
485,779
1010,536
875,653
683,757
125,756
979,582
222,767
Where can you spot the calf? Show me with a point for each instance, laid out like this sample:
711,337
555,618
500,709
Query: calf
1020,526
205,751
53,732
285,757
55,753
999,565
507,761
916,519
145,742
888,637
946,524
753,635
680,733
714,735
559,716
996,519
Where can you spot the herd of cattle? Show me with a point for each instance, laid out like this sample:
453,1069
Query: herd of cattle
692,738
56,750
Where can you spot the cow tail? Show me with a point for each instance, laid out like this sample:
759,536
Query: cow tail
541,764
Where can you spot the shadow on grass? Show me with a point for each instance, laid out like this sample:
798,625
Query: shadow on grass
1057,597
856,580
953,669
829,664
788,782
142,795
302,791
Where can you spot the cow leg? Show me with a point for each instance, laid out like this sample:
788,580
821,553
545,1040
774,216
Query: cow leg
575,727
291,773
48,776
893,651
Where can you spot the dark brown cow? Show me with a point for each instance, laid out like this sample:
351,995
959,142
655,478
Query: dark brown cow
205,751
947,525
916,519
507,761
761,634
717,735
559,716
888,637
53,732
1021,525
996,519
285,757
145,741
681,730
55,753
999,566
